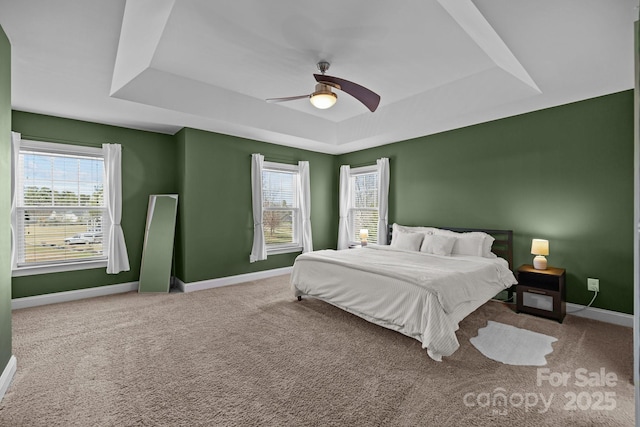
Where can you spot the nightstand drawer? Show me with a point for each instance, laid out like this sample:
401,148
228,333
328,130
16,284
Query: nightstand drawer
536,299
541,292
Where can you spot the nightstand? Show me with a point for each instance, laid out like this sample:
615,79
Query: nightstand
541,292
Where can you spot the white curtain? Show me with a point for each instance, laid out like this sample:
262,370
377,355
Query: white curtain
118,257
304,191
259,249
15,151
383,200
345,196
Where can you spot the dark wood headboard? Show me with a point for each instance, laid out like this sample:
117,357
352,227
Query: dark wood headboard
502,246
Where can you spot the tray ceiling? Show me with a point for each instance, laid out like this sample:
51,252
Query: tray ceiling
161,65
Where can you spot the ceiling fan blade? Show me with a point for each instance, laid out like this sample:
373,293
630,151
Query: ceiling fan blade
369,98
289,98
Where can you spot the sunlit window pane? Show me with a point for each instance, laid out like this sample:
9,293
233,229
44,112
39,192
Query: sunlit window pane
278,226
280,203
61,208
364,205
367,220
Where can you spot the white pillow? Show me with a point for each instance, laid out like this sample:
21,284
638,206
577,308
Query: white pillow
463,248
397,229
437,245
471,243
486,246
407,241
468,245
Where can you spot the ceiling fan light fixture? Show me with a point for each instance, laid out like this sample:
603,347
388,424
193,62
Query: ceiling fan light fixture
323,98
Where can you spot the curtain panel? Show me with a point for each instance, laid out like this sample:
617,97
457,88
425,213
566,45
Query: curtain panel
305,205
383,200
118,257
259,249
15,151
345,197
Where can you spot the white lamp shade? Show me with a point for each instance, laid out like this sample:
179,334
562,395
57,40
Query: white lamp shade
540,247
364,234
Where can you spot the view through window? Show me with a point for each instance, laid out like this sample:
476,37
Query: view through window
60,206
281,216
364,203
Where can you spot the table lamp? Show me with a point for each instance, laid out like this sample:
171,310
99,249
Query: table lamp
364,234
540,248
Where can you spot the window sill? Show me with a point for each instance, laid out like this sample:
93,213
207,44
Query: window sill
283,250
57,268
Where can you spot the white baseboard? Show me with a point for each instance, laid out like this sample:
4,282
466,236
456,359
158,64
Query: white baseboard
72,295
7,376
99,291
231,280
600,314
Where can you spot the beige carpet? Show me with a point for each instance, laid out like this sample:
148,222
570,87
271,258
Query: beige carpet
251,355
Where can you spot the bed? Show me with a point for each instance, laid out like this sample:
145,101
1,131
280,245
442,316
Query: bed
412,286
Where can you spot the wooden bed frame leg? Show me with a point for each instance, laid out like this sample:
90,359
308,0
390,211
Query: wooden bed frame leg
299,298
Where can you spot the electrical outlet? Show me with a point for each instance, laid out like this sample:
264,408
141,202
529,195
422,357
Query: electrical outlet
593,285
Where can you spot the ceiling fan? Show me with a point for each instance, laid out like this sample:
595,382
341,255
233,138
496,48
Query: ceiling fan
324,98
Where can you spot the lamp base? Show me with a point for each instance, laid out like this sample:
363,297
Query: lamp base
363,243
540,263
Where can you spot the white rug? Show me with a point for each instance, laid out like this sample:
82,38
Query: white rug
513,346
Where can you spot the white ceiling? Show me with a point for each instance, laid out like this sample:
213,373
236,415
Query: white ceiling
161,65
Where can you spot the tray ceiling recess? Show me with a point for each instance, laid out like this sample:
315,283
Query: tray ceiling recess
437,65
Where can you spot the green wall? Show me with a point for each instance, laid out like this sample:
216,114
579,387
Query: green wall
212,175
215,216
5,200
148,167
564,174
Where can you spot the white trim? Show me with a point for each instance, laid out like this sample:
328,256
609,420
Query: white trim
362,170
281,167
602,315
296,244
352,209
7,376
231,280
66,296
30,270
276,250
59,148
18,175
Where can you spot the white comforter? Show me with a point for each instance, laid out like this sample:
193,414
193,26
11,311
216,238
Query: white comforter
420,295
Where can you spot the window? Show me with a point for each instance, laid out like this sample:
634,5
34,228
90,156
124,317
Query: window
281,208
61,214
363,212
280,203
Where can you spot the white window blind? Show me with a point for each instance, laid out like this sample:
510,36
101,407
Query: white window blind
364,203
61,211
281,208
